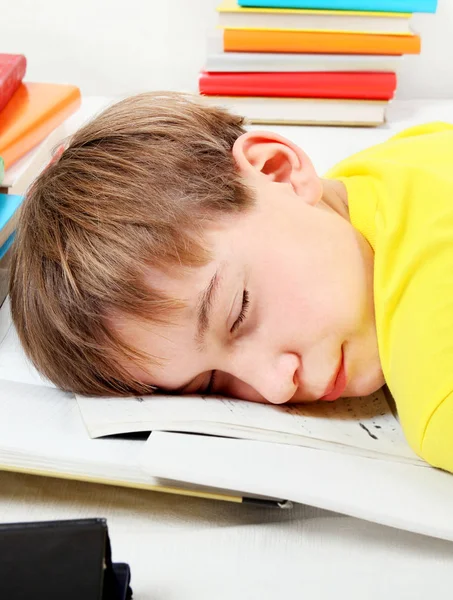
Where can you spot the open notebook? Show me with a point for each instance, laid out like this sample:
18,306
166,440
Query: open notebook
352,459
362,426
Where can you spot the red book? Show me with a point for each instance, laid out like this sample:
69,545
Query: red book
356,85
12,71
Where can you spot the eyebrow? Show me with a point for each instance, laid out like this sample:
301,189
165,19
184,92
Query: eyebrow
205,307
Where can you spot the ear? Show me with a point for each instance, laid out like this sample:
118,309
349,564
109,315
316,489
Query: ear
267,154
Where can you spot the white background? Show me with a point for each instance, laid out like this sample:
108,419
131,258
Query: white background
116,47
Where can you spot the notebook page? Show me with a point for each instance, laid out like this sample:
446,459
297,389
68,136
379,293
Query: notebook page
364,423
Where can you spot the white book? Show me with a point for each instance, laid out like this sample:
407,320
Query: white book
266,62
304,111
390,493
231,15
218,60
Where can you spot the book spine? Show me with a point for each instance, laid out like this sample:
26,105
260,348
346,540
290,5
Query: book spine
372,22
369,86
251,40
12,71
308,111
409,6
7,245
272,62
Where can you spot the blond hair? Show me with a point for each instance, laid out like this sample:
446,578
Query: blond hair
128,192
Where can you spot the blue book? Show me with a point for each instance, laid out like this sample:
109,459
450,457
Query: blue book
405,6
9,203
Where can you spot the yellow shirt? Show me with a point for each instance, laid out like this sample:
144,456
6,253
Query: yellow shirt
400,196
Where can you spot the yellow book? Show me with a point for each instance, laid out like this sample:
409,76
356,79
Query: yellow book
231,15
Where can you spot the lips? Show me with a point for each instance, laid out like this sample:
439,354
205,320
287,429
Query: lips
338,383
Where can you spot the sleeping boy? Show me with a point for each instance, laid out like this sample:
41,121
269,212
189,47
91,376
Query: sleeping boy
167,248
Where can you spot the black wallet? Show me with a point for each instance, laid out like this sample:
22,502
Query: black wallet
60,560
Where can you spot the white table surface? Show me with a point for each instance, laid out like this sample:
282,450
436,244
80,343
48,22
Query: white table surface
184,548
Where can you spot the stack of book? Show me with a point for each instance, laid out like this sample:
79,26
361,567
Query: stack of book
327,62
29,113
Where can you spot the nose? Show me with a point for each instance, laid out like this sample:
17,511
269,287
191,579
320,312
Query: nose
274,376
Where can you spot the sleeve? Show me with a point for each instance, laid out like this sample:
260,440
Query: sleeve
414,291
417,337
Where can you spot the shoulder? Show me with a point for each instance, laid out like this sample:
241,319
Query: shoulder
424,129
414,293
418,146
414,318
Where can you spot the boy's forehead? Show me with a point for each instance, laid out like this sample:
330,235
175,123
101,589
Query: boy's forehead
162,346
180,283
184,288
172,343
169,356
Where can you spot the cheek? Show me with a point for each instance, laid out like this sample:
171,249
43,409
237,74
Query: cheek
235,388
297,302
317,281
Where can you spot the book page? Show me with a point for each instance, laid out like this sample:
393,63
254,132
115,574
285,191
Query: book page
42,432
391,493
43,422
364,425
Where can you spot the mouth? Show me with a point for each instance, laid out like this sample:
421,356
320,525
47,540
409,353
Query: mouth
338,383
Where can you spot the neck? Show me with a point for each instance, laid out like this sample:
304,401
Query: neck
335,197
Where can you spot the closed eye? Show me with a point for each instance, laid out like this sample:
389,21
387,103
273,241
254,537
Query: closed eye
242,315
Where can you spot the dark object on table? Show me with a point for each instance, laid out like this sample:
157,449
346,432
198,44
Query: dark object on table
60,559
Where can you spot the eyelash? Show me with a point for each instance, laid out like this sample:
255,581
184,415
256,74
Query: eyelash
243,313
236,324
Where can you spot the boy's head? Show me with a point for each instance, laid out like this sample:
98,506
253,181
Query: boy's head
169,248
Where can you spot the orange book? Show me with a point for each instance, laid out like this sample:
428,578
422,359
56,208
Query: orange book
33,112
319,42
